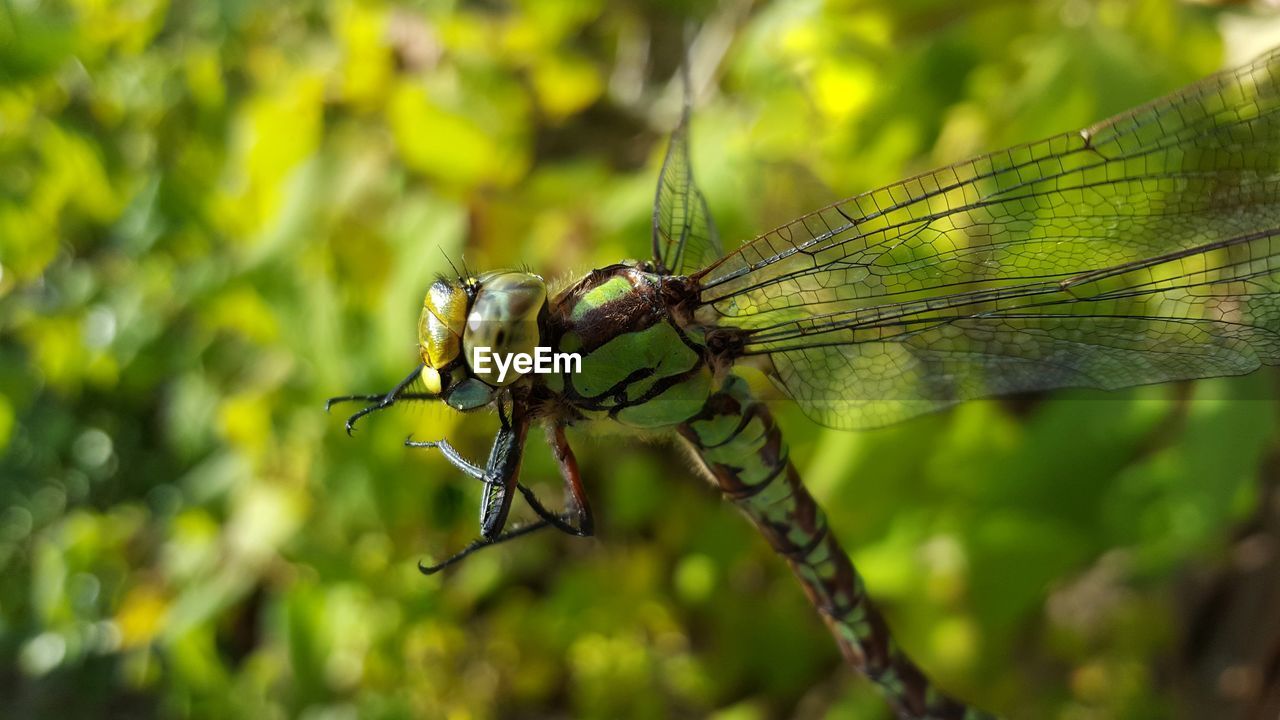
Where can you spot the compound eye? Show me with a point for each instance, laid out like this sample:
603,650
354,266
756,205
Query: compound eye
504,320
440,326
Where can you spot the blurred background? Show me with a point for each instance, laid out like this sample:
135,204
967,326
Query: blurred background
215,215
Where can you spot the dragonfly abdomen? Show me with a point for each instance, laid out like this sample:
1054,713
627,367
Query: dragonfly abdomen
743,452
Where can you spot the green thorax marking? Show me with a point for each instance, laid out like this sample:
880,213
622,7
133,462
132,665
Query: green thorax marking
615,289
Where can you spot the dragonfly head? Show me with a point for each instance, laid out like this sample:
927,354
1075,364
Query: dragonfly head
499,312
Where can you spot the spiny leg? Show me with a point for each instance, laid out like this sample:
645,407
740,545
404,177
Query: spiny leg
454,457
328,404
546,519
480,543
476,472
579,509
383,402
560,521
578,502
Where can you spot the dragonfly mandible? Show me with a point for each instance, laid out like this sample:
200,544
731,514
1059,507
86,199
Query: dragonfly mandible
1143,249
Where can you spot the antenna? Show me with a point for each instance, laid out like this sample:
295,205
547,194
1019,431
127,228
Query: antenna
451,265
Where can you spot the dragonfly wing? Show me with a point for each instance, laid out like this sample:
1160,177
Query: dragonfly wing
684,235
1140,250
1211,311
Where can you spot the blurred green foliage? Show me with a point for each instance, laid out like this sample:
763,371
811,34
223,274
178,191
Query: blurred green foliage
214,215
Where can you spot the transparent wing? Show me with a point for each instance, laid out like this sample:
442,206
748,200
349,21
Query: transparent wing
1140,250
684,235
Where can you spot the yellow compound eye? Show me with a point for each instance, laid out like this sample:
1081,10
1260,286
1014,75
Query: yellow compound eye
441,323
504,319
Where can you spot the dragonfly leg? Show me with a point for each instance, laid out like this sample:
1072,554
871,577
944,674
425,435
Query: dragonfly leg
564,522
328,404
481,543
377,397
561,522
579,509
454,457
386,401
578,503
492,482
577,519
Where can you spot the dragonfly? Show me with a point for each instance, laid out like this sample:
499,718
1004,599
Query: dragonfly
1143,249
